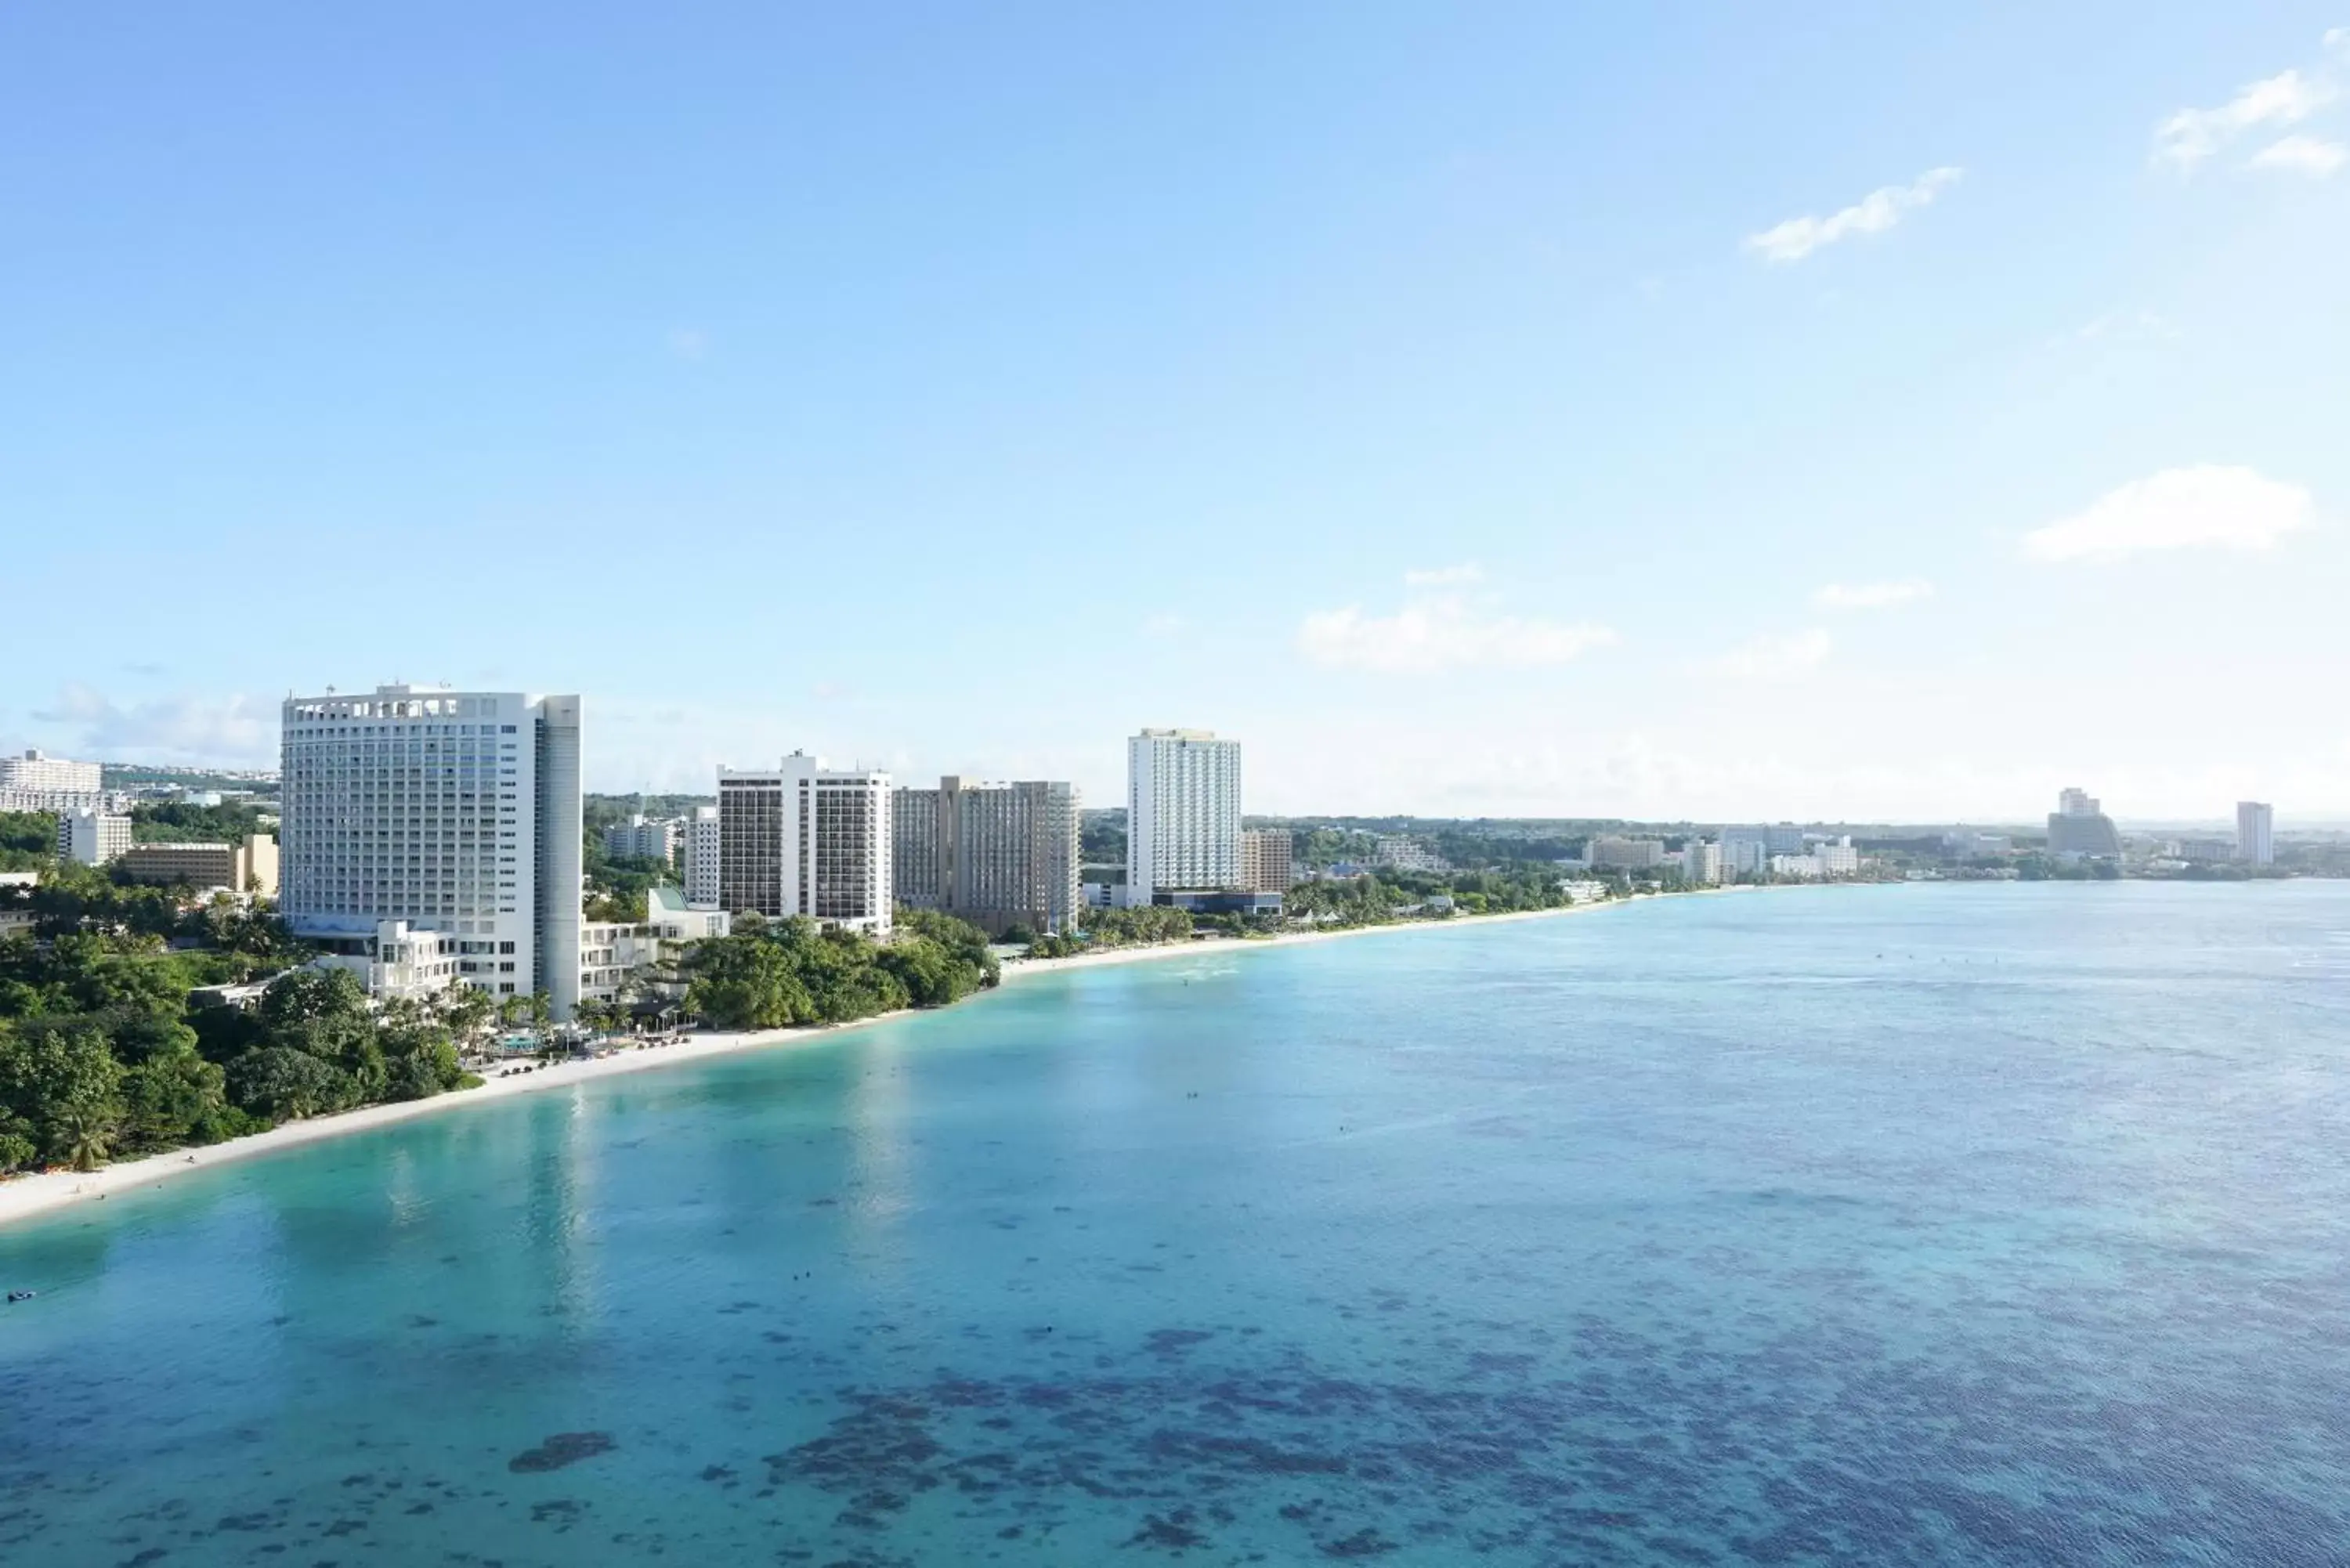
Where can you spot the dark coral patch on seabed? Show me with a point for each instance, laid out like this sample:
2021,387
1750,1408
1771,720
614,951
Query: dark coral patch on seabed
561,1449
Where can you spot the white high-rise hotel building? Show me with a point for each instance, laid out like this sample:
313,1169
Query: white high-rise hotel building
702,858
804,840
2255,831
443,826
38,782
37,770
1182,813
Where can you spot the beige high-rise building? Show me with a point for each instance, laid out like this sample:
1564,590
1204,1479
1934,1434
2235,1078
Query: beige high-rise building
1265,859
996,854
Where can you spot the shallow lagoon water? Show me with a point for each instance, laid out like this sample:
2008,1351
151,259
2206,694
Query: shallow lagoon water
1914,1224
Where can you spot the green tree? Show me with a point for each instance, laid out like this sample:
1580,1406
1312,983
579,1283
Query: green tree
747,981
61,1082
468,1011
175,1098
420,1053
279,1083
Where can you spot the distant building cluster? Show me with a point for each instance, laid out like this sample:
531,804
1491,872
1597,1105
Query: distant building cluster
38,782
642,837
1397,852
432,837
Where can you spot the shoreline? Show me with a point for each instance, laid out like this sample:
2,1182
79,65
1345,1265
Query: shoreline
1021,968
24,1198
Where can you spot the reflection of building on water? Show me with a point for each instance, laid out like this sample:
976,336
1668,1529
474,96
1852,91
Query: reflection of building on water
879,1159
441,1242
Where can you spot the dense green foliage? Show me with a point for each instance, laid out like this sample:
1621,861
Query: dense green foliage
175,823
774,974
104,1053
1101,838
73,898
2040,867
617,887
29,840
1116,928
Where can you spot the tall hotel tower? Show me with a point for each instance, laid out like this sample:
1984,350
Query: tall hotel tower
456,812
1182,813
806,839
997,855
2256,833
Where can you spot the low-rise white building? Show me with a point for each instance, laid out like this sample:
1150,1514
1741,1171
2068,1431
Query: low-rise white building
91,837
1405,854
1831,858
614,954
1608,852
397,959
1966,844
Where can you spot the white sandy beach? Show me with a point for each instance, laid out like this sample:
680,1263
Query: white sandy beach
22,1197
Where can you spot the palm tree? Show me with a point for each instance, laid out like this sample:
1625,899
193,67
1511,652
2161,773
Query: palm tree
85,1138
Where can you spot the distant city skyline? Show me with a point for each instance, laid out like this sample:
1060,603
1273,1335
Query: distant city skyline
1520,412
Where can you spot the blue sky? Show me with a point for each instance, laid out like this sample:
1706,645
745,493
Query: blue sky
1813,411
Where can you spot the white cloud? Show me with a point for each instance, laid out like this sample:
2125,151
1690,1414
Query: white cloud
1873,214
689,343
1442,631
1165,623
1774,657
2302,154
2206,506
2193,136
1461,576
1872,595
234,731
2130,327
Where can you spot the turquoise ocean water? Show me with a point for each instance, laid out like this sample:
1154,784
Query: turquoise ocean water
1896,1225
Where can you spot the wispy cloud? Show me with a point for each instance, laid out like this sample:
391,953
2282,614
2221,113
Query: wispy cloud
2208,507
2193,137
1872,595
691,344
1439,630
228,731
2129,326
1774,656
1165,623
2302,154
1872,214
